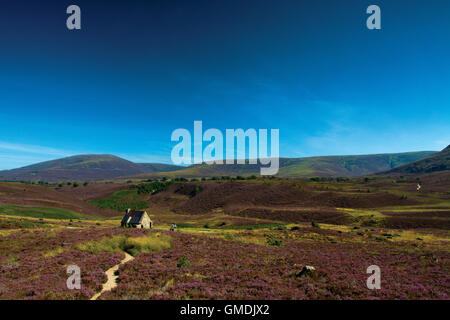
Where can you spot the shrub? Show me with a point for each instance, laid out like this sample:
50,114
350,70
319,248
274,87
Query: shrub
314,224
273,240
152,188
228,236
183,262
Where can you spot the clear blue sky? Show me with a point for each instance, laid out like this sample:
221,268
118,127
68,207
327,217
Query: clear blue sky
140,69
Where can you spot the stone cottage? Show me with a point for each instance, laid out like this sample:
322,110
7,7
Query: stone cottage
136,219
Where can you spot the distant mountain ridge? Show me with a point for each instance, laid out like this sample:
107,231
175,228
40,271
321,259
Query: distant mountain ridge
322,166
83,168
439,161
160,167
106,167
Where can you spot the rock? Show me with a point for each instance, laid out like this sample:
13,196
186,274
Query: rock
307,271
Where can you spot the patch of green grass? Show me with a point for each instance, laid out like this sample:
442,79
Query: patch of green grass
254,226
120,201
122,194
116,218
273,240
133,246
12,260
183,262
21,224
184,225
39,212
228,236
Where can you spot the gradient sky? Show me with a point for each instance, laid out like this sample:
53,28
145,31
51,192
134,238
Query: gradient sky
140,69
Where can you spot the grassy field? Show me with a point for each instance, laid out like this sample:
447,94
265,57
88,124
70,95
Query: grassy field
133,246
194,262
39,212
219,253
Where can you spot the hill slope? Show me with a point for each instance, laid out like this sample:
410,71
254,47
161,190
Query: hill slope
34,196
328,166
437,162
105,167
80,168
160,167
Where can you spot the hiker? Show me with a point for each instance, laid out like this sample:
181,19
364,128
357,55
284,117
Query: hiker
172,228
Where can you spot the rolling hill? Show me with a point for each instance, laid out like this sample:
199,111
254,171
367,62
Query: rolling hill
161,167
82,168
106,167
434,163
32,199
327,166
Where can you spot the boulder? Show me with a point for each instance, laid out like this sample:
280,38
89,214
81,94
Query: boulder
307,271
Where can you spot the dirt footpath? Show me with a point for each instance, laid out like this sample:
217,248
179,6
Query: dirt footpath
111,282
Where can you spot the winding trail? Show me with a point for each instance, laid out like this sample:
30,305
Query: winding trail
111,282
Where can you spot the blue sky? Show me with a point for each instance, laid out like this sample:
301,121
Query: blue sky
137,70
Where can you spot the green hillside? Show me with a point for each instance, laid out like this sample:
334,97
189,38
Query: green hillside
437,162
83,168
327,166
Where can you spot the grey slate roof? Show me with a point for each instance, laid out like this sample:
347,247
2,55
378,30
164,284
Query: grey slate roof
136,217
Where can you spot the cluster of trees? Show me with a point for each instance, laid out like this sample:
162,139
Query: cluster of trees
153,187
45,183
73,184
